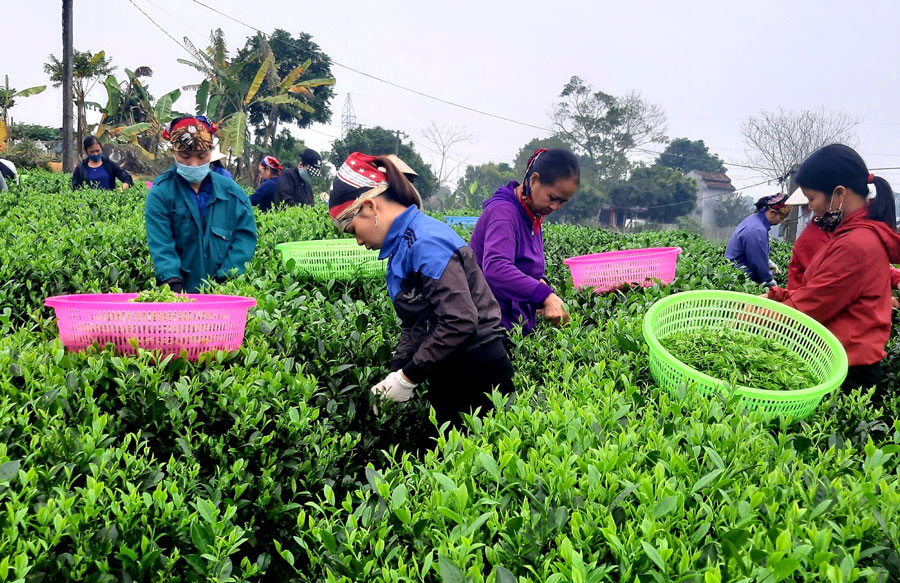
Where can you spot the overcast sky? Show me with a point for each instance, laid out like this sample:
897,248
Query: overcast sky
709,64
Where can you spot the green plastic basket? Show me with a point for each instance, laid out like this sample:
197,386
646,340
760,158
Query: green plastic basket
326,259
796,331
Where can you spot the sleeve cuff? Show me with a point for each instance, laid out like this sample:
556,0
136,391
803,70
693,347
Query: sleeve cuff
415,372
541,293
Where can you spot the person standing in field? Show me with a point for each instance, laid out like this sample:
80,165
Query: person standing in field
295,184
200,225
508,240
98,171
846,286
451,335
269,171
748,247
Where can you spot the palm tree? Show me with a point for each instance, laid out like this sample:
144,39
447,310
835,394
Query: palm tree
87,69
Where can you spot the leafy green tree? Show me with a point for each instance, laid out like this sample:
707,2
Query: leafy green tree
685,155
525,152
378,141
8,97
583,208
486,178
605,128
87,69
233,88
32,132
732,209
665,193
290,53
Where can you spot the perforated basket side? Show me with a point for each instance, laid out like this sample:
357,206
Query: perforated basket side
717,309
327,259
606,271
210,325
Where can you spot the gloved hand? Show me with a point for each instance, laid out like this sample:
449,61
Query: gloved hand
774,268
394,388
175,284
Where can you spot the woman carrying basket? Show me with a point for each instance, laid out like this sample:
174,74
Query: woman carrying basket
846,286
451,334
509,243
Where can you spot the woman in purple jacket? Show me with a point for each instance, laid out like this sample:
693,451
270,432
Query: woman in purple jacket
509,243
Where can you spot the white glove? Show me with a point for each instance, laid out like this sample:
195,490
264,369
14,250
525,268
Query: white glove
394,388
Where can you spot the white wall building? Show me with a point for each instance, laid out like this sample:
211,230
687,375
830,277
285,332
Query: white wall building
711,187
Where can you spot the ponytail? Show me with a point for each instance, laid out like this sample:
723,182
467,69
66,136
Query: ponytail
400,186
882,207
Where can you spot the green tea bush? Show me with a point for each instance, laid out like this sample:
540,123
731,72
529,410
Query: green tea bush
269,464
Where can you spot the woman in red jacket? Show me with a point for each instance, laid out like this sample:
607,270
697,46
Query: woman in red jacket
810,241
846,286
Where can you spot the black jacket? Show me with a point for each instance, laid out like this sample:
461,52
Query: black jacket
292,189
113,170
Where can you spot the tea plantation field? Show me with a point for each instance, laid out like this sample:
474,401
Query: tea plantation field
268,464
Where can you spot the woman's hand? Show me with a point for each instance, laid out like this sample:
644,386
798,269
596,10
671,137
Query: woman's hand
125,186
554,311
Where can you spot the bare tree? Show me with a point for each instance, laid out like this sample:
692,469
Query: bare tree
778,141
443,139
607,129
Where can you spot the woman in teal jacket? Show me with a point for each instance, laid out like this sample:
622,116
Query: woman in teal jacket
199,224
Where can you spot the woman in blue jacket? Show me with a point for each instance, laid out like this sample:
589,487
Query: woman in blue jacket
98,171
749,244
200,225
269,171
451,335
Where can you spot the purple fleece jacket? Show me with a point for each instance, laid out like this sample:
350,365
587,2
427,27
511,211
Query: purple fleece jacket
511,255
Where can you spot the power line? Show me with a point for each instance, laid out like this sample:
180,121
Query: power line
164,31
174,17
391,83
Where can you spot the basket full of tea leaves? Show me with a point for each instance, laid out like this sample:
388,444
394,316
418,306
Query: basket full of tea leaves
716,342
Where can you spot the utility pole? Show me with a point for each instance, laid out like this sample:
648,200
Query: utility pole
68,161
397,146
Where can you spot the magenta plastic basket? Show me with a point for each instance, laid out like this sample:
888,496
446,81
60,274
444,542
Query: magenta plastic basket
209,323
607,271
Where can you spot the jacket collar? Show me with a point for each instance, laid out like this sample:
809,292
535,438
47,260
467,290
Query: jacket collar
764,220
395,233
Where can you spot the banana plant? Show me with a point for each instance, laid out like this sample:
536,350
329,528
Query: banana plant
8,96
234,127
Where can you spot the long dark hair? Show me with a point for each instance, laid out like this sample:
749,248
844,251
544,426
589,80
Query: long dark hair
551,165
839,165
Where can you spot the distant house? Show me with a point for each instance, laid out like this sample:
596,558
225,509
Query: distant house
711,187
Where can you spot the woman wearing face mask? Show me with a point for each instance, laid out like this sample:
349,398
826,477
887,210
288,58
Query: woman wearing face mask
451,333
749,244
269,171
200,224
509,243
846,286
97,170
295,184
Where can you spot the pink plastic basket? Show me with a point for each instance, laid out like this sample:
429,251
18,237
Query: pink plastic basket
606,271
210,322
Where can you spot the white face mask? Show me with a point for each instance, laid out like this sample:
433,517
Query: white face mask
193,174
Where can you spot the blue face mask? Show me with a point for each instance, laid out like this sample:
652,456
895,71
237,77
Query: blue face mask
192,174
95,157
